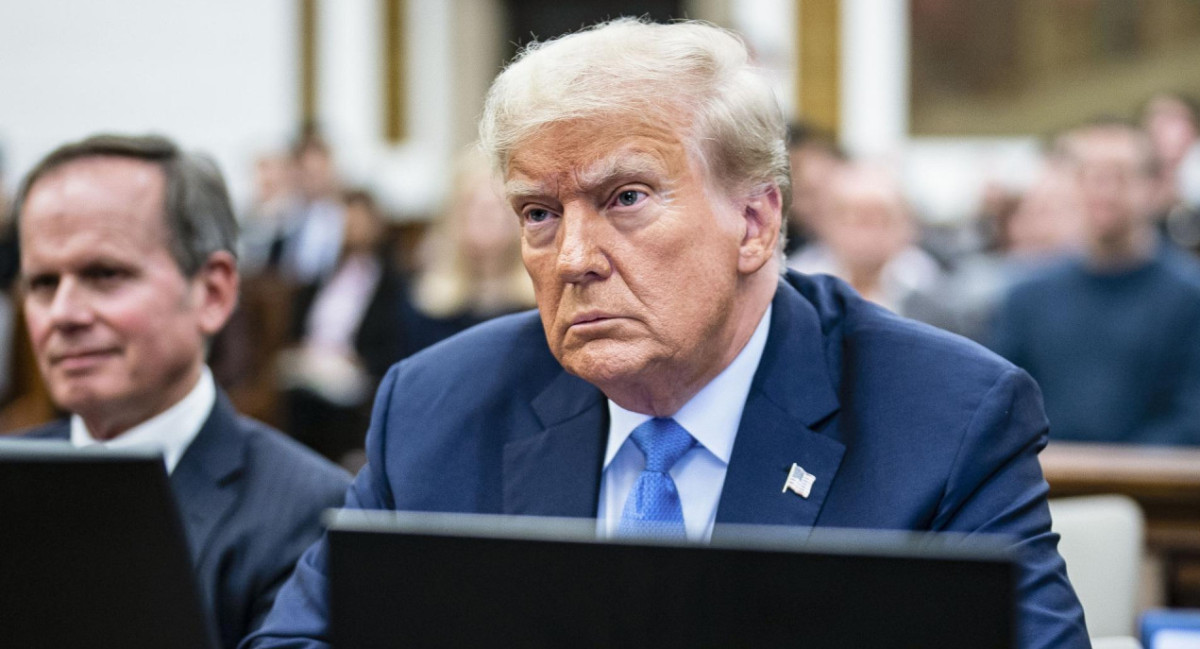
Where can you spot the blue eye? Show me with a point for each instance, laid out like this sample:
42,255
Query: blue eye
537,215
629,197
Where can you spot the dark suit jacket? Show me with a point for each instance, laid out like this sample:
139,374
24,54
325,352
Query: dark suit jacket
905,427
250,500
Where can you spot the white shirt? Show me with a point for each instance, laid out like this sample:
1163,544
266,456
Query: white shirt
170,431
712,417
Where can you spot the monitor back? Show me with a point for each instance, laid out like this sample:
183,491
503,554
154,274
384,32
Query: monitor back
92,551
443,580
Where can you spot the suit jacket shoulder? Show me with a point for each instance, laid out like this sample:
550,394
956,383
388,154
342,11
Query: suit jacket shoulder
251,501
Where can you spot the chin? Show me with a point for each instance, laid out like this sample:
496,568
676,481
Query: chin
78,396
605,362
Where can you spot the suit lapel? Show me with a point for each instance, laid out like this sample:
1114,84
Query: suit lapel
793,396
205,479
555,470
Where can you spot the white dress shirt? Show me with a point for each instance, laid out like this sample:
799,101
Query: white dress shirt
170,431
712,417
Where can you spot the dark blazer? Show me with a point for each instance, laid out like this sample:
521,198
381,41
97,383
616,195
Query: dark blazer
904,426
250,500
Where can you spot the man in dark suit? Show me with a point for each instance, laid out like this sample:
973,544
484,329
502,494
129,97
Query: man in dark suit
674,380
127,271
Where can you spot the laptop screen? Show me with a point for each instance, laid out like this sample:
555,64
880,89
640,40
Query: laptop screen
457,580
92,552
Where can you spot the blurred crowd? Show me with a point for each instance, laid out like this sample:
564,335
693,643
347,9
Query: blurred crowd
1087,279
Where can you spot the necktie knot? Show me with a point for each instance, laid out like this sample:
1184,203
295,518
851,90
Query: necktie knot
663,441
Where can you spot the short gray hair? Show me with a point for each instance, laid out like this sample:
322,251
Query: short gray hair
196,205
634,67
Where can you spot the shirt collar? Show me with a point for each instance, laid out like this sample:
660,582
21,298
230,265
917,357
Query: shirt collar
713,414
171,431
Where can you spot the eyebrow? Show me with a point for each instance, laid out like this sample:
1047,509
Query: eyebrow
617,166
521,188
602,172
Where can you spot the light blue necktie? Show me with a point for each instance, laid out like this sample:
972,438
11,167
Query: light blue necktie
653,508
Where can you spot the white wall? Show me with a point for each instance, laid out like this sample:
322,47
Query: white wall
408,177
222,76
217,75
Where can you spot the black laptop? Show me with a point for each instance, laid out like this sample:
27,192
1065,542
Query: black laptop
444,580
92,551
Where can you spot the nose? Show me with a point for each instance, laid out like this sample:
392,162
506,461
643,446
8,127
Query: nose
581,251
70,307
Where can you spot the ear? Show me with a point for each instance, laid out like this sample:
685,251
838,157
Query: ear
762,212
216,286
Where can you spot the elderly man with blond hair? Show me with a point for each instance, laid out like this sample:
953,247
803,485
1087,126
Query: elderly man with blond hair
673,372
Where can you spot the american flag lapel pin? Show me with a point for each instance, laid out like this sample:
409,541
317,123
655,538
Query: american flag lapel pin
799,481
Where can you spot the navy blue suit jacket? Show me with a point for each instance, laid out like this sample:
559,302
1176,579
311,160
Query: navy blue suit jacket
906,427
250,500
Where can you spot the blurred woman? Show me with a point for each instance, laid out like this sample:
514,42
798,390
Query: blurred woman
349,329
471,260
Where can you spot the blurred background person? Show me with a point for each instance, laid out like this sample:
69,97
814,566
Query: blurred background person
308,244
267,217
814,157
471,260
348,330
1046,223
1037,230
868,238
1113,334
1172,121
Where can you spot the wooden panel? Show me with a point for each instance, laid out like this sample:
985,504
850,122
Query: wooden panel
394,82
308,62
1166,483
818,84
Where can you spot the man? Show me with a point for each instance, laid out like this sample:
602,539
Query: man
311,235
814,158
127,271
868,239
647,168
1112,336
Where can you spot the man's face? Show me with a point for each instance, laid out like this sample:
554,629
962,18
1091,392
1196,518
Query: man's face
866,225
1116,190
634,255
813,169
117,329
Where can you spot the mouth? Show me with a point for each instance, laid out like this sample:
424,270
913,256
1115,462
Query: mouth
592,317
75,360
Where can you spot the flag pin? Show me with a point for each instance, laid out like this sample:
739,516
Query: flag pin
799,481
